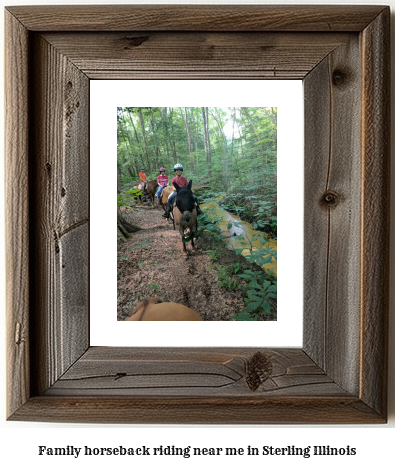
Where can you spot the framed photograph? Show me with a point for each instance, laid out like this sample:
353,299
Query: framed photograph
151,263
339,375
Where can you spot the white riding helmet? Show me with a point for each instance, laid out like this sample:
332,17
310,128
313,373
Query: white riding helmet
178,166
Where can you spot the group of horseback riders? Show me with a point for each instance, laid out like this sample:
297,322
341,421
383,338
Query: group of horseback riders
163,181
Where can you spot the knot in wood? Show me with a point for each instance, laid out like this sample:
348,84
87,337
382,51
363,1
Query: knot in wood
339,77
330,199
135,41
259,369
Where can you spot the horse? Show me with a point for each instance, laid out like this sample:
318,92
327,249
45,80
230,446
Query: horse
165,196
140,187
151,190
185,215
150,310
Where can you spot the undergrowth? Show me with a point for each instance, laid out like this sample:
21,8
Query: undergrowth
259,288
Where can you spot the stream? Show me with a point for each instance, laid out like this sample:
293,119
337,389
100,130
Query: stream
239,227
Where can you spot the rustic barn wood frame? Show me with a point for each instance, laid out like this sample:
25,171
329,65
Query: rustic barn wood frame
340,374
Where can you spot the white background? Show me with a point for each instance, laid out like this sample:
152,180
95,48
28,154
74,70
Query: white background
19,441
287,96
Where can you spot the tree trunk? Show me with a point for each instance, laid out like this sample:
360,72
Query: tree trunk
144,138
124,228
137,139
255,134
234,157
173,140
167,139
196,139
155,139
189,140
225,164
207,140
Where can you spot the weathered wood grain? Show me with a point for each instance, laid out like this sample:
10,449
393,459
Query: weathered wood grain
17,199
60,212
375,211
317,112
191,372
198,410
196,17
339,376
196,55
332,200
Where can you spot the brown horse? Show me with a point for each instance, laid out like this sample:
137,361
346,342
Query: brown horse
149,310
165,196
185,215
140,187
151,190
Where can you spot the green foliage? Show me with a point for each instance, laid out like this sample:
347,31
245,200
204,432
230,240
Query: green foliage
123,199
245,316
224,278
260,255
259,289
259,296
208,223
243,143
154,287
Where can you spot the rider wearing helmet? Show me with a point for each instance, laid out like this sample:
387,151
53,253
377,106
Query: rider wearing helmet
181,181
163,181
143,178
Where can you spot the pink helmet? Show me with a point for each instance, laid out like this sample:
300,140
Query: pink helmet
162,169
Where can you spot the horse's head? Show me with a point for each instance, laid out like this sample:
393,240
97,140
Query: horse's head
152,310
185,201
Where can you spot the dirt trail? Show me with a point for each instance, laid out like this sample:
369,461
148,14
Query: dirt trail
151,264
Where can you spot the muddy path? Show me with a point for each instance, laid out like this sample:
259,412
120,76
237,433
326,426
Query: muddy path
151,265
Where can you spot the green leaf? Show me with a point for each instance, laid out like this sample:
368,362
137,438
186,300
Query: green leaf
266,306
245,276
244,316
254,284
255,297
253,306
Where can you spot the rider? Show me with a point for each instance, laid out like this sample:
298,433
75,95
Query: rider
163,181
181,181
143,178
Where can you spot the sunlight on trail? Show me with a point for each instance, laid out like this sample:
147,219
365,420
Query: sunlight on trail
242,228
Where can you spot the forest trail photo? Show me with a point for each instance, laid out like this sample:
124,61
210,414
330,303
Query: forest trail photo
152,265
231,272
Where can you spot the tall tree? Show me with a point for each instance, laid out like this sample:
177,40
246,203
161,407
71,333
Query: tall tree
173,142
189,140
154,129
207,140
139,151
144,138
246,113
216,114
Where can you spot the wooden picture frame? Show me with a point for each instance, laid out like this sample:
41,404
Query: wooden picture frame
340,374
